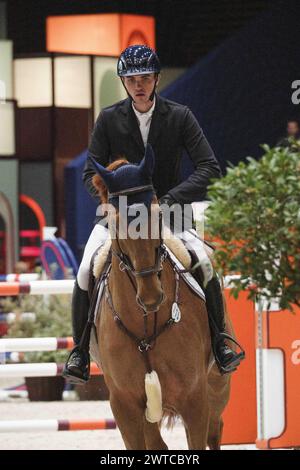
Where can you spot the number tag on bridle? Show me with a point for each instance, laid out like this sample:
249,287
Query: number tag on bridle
176,313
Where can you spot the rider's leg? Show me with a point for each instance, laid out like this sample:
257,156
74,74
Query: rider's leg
78,363
226,358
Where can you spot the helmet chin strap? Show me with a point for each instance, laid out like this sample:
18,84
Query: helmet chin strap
151,97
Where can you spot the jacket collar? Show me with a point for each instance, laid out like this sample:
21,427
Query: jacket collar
130,121
160,105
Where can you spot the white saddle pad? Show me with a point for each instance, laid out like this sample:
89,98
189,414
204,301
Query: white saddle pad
188,277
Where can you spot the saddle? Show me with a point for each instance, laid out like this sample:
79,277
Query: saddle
179,256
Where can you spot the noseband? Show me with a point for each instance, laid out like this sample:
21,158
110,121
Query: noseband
161,252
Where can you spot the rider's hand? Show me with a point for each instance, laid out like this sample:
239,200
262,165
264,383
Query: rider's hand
168,215
167,199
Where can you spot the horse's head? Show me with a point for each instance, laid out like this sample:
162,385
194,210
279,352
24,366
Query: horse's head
136,240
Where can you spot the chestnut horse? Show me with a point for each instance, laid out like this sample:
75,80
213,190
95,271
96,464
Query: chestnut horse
140,296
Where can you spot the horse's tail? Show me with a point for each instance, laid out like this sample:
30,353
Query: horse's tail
169,416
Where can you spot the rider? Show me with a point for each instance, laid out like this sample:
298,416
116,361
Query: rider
124,129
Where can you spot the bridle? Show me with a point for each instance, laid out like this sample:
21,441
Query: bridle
161,251
147,342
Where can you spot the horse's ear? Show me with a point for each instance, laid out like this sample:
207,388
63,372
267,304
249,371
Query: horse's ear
98,183
147,164
105,174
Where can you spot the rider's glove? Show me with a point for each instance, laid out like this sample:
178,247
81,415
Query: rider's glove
167,199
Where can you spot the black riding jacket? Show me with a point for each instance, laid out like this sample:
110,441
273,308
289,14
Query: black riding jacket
173,129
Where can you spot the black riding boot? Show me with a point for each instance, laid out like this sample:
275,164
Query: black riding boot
77,367
226,358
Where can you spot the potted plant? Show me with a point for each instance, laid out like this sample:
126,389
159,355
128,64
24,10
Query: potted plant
255,215
52,319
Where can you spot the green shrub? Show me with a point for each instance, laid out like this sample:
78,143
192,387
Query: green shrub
255,212
53,318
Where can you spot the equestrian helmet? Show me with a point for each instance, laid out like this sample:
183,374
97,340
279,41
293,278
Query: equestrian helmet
138,60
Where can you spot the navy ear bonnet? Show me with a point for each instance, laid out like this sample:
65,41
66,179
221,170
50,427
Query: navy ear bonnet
129,176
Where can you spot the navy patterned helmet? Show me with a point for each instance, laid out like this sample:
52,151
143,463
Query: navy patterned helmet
138,60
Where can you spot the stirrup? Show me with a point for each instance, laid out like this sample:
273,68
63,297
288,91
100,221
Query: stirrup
232,366
71,376
227,336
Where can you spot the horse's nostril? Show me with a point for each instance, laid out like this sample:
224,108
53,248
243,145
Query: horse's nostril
153,307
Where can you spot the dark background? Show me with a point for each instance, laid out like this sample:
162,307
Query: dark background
186,29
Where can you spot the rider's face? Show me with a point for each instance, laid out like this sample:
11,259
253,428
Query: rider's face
140,87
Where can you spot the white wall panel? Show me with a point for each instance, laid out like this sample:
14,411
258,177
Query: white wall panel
7,129
6,68
33,82
72,82
108,88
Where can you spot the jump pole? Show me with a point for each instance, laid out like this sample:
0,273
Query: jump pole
37,425
19,277
35,344
39,369
64,286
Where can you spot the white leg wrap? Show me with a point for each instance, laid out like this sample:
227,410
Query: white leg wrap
97,238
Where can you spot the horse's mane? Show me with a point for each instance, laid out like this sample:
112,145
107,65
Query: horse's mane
99,183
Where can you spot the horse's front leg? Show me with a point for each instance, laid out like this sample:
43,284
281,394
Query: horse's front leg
153,438
130,421
195,415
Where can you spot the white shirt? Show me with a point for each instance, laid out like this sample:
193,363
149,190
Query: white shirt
144,120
